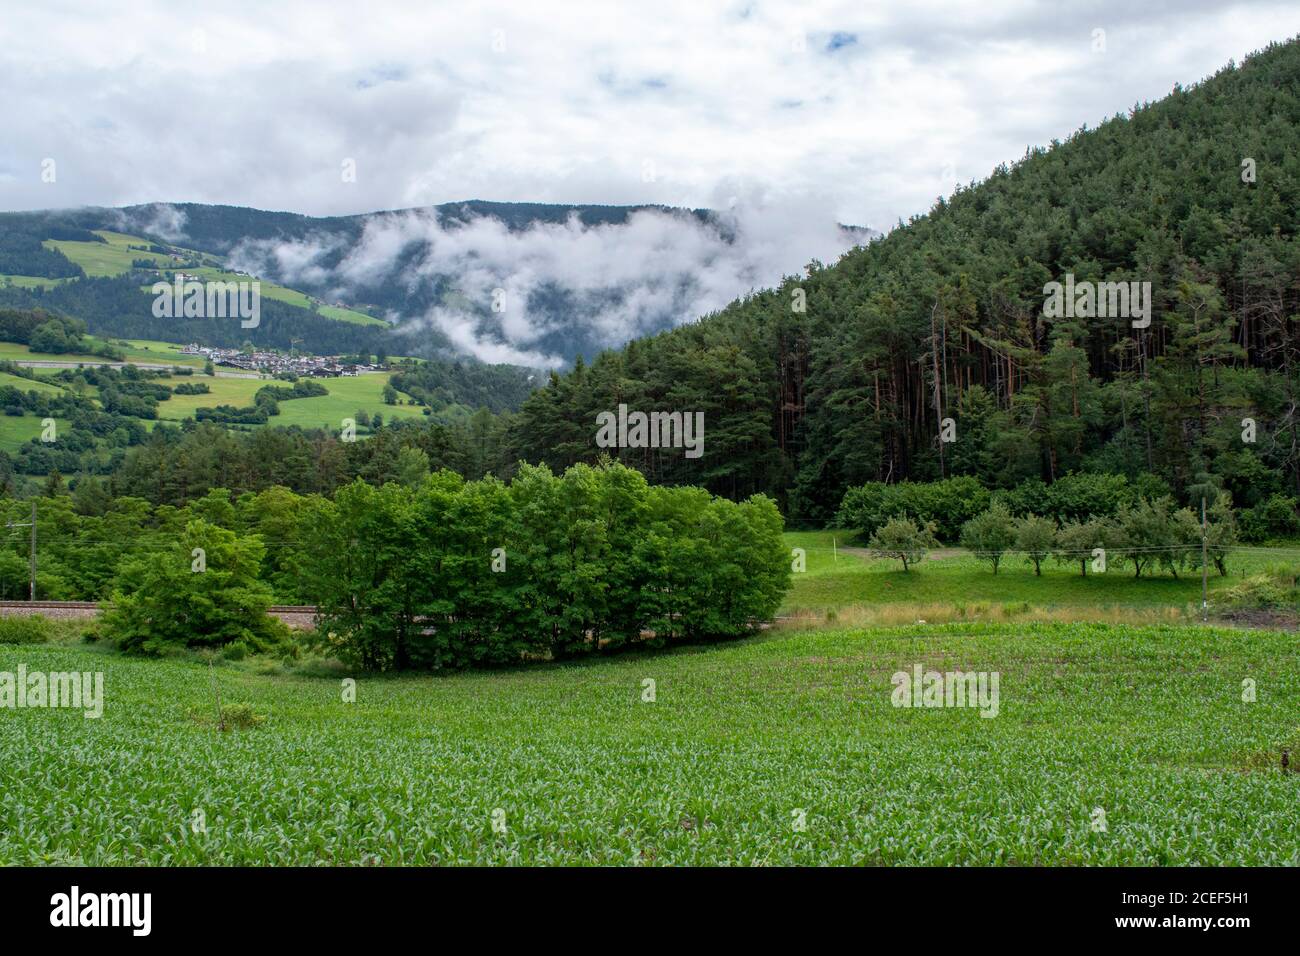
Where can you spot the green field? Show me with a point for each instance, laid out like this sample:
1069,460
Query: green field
140,351
952,585
30,282
18,431
109,258
29,385
1146,724
346,397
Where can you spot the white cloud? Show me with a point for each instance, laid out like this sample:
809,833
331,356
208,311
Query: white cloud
619,280
259,104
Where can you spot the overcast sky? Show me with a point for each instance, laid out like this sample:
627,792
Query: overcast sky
868,109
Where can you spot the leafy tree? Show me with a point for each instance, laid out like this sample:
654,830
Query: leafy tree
1076,540
990,535
1035,537
902,539
181,597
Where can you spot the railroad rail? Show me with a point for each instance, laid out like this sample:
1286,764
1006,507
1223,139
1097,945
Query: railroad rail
99,605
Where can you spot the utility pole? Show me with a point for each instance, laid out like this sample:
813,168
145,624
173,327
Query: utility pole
1205,571
32,558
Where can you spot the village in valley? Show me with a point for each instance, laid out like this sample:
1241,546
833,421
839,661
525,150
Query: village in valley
278,363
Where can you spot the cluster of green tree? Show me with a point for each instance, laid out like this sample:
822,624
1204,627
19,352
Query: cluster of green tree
49,332
19,401
201,592
1147,535
191,388
454,574
174,464
499,388
234,415
302,388
433,572
944,319
946,507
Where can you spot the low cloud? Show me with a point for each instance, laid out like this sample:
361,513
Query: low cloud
530,296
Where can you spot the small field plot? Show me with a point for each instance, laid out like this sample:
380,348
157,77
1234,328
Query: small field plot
346,397
16,431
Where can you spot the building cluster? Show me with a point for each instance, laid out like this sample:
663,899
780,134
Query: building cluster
273,363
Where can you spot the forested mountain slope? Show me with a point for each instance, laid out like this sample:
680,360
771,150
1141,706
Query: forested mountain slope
944,318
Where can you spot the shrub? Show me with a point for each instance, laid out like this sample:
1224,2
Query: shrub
1078,497
203,592
233,717
1267,590
25,629
1274,517
946,504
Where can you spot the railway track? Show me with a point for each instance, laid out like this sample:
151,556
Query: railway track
98,605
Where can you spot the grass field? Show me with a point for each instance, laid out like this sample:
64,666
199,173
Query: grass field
20,430
743,741
952,585
140,351
29,385
31,282
346,397
110,258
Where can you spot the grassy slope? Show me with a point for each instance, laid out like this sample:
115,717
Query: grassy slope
140,351
19,431
109,258
114,257
29,385
31,282
1146,723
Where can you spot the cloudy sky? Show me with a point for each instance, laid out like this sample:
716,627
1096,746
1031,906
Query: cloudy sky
868,109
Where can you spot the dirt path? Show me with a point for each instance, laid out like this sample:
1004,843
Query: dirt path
938,554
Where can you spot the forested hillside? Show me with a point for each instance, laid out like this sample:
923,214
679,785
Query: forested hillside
1196,194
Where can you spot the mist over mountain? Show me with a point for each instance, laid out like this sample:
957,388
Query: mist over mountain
519,283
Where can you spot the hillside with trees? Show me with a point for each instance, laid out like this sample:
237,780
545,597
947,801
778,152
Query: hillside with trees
944,319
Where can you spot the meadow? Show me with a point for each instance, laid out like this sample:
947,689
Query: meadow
137,351
112,257
19,430
842,582
779,749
